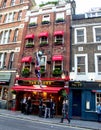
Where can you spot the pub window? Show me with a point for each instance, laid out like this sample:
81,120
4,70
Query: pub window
43,39
59,38
46,18
98,98
0,91
5,94
27,65
11,60
60,15
43,62
15,35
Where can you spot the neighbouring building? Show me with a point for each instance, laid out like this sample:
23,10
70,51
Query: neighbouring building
85,74
12,31
49,32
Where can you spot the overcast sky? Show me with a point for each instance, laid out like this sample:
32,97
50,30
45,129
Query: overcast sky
81,5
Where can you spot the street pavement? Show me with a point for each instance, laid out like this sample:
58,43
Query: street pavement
56,120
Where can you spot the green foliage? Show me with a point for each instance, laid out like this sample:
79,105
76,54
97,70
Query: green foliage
47,3
45,22
25,72
59,20
57,72
29,44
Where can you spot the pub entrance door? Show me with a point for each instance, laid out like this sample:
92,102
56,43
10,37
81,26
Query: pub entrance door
76,103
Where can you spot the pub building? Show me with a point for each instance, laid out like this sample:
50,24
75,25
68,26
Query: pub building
84,95
55,88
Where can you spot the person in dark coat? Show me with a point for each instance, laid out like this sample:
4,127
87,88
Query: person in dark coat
28,106
23,104
65,108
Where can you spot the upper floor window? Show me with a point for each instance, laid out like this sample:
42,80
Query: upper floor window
80,35
13,16
1,60
11,59
97,34
6,18
10,17
81,64
0,18
98,63
12,2
1,36
15,35
4,4
21,1
60,15
19,15
33,21
5,37
9,33
46,19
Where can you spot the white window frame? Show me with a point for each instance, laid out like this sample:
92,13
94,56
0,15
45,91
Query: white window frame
33,20
43,41
2,60
61,65
5,36
46,17
10,17
45,62
94,33
85,35
86,63
96,63
60,15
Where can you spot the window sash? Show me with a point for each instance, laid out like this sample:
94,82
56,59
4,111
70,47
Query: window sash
80,35
81,64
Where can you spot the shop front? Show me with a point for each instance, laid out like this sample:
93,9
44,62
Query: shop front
84,97
51,88
4,88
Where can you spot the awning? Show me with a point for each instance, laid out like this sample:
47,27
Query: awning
57,58
5,76
37,88
29,36
26,59
45,34
58,33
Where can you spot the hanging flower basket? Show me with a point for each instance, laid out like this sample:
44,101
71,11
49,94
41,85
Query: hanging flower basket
25,72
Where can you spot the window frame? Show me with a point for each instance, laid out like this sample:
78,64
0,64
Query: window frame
86,64
94,33
11,60
96,63
84,35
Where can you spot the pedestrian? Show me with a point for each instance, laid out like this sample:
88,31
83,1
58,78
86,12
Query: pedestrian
40,107
98,108
52,108
23,104
65,108
28,106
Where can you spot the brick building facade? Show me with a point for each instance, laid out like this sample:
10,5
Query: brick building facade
12,31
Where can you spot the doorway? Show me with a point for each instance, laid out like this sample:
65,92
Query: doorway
76,103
